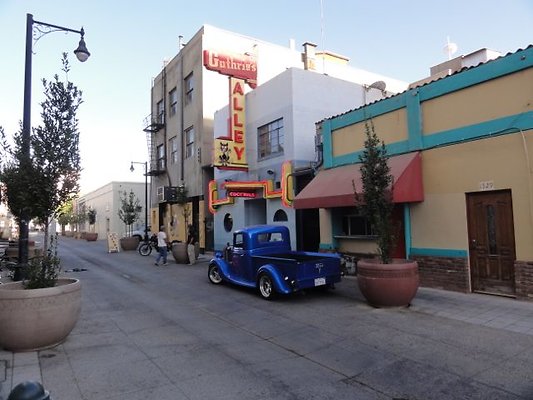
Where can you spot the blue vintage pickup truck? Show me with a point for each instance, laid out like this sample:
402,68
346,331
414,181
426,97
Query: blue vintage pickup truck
261,257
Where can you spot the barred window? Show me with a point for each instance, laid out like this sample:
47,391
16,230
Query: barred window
356,225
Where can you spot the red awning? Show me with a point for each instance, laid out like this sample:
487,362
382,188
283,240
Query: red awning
334,187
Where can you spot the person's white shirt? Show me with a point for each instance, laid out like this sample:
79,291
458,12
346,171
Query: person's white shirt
161,239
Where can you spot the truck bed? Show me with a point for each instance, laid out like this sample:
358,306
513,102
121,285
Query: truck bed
294,256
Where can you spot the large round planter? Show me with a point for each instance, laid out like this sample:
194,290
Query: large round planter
91,236
388,285
36,319
179,252
129,243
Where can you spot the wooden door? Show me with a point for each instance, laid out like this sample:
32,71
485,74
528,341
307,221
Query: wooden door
492,244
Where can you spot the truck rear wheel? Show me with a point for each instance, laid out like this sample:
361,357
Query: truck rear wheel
266,287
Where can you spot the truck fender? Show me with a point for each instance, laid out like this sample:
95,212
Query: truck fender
280,284
222,266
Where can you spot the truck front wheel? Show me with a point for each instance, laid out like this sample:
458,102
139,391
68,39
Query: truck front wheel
214,274
266,287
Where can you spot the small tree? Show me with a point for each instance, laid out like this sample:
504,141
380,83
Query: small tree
65,215
36,185
129,211
80,219
44,271
375,201
91,217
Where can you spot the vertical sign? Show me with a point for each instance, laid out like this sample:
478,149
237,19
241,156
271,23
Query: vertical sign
230,150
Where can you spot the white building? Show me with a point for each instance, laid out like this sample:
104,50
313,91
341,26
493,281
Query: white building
7,222
282,150
191,87
106,201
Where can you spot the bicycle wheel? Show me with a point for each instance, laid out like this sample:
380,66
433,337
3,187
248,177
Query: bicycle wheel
145,249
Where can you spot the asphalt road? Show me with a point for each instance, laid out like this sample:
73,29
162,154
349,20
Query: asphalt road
148,332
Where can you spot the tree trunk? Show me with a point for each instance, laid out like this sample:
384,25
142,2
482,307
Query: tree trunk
46,235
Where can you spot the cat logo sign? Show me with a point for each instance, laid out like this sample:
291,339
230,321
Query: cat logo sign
230,151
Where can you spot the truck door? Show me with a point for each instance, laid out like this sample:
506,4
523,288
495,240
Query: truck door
238,266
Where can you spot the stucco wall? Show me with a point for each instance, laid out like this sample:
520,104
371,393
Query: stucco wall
508,95
106,201
450,172
391,127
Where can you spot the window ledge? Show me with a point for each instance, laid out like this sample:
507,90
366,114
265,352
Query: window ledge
356,237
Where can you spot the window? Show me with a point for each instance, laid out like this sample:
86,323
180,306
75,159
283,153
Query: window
173,142
269,237
189,142
238,240
271,139
228,223
173,100
356,225
188,87
161,157
161,112
280,215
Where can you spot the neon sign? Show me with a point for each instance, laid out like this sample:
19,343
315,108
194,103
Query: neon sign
235,65
230,150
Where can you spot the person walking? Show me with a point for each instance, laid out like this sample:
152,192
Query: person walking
161,246
191,240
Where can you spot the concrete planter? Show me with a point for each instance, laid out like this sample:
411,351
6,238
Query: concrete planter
129,243
179,252
91,236
36,319
388,285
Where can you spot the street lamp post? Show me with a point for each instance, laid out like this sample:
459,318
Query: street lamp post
145,195
82,54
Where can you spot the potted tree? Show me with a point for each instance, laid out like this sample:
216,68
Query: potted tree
91,236
41,310
128,213
81,218
384,281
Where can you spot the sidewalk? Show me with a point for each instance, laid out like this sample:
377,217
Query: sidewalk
482,310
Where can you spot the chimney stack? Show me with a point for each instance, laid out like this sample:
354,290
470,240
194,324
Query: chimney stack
309,56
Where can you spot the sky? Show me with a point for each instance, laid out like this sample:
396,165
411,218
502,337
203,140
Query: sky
130,39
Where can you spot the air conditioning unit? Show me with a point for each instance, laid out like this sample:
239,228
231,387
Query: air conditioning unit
171,194
167,194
